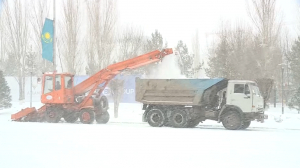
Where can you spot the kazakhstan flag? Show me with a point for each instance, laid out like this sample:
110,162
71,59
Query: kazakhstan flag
47,40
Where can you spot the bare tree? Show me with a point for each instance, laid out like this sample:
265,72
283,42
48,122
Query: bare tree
263,14
2,45
196,55
117,90
130,44
232,56
102,17
69,47
16,24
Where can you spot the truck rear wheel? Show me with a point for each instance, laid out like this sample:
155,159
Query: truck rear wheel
246,124
178,119
156,118
193,123
232,120
87,116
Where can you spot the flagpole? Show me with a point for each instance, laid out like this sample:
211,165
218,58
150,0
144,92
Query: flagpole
54,39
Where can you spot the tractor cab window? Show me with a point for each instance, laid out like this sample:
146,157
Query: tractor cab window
48,84
57,82
68,82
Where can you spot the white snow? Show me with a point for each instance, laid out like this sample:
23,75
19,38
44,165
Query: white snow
128,142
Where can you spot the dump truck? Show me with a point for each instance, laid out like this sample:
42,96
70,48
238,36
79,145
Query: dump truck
182,103
62,99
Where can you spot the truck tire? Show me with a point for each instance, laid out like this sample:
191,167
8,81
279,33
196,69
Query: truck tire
87,116
245,125
102,118
232,120
193,123
156,118
178,119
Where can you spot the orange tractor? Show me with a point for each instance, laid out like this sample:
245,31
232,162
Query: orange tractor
62,99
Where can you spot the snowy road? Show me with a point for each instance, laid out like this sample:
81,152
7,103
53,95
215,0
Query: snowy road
124,143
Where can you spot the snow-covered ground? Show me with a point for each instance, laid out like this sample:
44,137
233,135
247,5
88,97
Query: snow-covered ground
128,142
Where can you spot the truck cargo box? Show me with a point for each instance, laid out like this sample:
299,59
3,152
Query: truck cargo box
197,92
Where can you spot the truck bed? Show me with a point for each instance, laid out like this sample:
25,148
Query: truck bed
178,91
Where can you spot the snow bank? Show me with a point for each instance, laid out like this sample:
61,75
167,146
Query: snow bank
126,142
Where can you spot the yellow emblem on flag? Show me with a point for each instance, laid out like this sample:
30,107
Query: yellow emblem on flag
47,37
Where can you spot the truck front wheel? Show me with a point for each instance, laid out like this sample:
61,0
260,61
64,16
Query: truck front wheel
232,120
246,124
156,118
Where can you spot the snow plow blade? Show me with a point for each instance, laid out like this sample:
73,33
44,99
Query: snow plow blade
29,114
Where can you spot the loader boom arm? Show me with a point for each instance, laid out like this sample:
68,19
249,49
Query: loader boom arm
106,74
101,79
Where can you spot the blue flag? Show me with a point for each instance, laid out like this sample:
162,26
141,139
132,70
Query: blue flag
47,40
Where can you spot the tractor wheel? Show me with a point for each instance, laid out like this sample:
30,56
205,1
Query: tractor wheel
102,118
193,123
71,117
178,119
232,120
246,124
87,116
53,116
156,118
103,103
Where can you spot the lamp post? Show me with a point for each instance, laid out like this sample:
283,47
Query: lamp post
275,101
282,91
30,57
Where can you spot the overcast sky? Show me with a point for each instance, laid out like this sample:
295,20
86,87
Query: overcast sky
179,19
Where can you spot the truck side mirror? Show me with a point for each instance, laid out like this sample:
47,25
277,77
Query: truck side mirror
247,92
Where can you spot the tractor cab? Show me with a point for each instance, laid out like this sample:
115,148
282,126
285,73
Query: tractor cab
57,88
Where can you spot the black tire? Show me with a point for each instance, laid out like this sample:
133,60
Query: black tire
87,116
232,120
71,117
156,118
102,118
193,123
245,125
53,115
103,103
178,119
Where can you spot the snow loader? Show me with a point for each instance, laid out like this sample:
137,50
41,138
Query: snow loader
184,103
62,99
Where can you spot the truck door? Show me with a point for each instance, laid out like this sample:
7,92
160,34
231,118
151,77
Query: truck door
241,97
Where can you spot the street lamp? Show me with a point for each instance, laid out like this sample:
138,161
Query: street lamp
30,58
282,91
